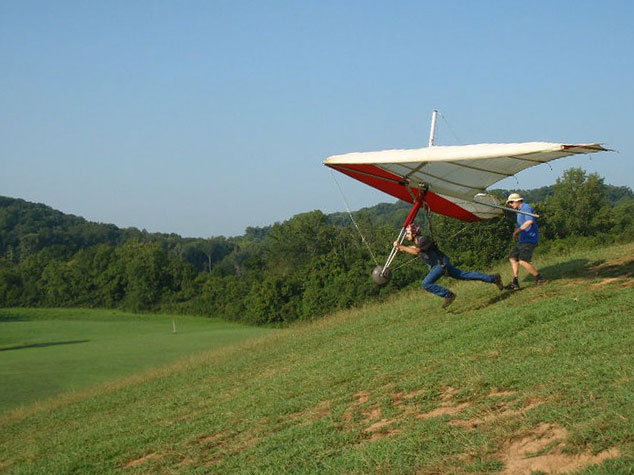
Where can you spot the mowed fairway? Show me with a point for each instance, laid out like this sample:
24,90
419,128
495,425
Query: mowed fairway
44,352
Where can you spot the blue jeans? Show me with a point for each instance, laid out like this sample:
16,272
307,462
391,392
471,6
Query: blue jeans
437,272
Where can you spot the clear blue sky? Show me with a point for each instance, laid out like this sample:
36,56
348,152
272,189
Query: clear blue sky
204,117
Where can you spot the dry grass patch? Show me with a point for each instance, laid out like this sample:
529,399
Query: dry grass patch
501,393
212,440
373,415
214,448
447,406
501,411
141,460
315,413
542,450
361,398
398,398
606,281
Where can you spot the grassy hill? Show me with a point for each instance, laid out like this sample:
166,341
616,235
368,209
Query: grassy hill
535,380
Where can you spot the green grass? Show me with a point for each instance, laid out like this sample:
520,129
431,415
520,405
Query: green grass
44,352
499,380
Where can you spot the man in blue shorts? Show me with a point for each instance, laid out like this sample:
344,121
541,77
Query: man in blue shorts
439,265
527,234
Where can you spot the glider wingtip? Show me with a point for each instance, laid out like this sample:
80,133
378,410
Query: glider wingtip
587,147
602,147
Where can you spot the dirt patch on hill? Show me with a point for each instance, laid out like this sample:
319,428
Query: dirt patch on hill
360,399
141,460
212,440
320,411
376,425
372,413
501,393
542,450
401,398
447,406
213,449
501,411
616,262
315,413
445,409
380,429
606,281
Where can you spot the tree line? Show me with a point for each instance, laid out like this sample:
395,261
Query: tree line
299,269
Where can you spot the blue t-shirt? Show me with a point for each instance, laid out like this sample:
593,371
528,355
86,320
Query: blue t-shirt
530,234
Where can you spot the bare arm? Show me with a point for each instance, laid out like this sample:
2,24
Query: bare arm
413,250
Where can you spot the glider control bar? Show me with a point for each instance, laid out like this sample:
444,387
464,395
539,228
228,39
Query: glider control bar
506,208
409,220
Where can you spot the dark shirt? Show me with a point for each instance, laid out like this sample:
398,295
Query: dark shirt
432,256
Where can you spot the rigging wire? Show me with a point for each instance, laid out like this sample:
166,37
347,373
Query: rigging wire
429,216
450,128
352,219
412,259
461,229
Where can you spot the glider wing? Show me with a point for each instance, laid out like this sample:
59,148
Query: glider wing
454,177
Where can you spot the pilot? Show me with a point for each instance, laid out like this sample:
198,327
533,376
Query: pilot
439,265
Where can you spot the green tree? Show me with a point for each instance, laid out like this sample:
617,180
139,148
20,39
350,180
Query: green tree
297,241
11,284
145,264
578,207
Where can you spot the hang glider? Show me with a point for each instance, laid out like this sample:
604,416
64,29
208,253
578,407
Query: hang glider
453,179
448,180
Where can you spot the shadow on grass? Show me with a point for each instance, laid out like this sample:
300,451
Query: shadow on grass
13,318
575,268
43,345
506,293
583,268
579,268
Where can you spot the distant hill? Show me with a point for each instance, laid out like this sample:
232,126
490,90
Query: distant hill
27,227
298,269
381,214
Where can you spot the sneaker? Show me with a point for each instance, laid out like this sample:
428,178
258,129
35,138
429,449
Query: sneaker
512,286
498,281
449,300
540,281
